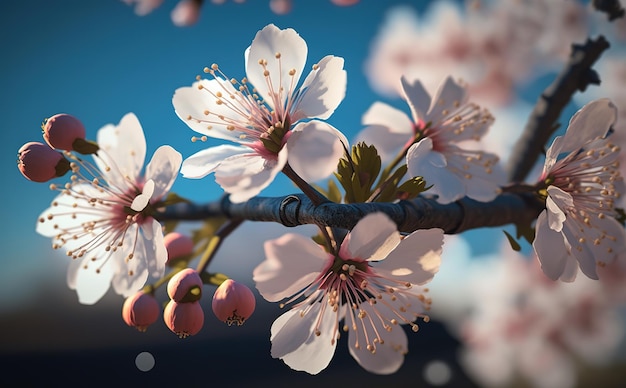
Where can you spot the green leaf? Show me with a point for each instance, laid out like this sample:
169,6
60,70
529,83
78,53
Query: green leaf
357,172
412,188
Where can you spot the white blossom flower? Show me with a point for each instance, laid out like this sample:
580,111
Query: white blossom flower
103,216
578,228
436,125
263,114
371,284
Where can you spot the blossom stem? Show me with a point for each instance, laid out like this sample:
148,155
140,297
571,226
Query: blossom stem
215,242
315,196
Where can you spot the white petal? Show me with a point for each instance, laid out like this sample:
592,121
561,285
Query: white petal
590,122
244,176
417,98
293,52
206,161
422,161
125,144
315,148
141,201
550,248
555,203
389,356
292,263
90,285
449,95
163,169
386,115
387,143
294,340
416,259
191,103
323,89
155,253
372,238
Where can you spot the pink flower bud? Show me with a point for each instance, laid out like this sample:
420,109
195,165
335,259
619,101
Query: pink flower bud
233,302
185,286
177,245
280,7
184,319
140,310
61,130
40,163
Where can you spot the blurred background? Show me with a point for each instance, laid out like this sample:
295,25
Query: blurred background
101,59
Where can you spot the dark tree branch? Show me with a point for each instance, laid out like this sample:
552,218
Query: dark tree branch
576,75
612,8
420,213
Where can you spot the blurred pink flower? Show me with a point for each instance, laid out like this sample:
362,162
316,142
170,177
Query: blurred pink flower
265,121
103,216
493,46
578,228
369,285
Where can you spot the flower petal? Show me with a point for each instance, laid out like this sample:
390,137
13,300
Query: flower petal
417,97
396,120
163,169
266,44
323,89
90,285
556,201
125,144
372,238
590,122
292,263
416,259
243,176
422,161
448,97
315,148
550,247
206,161
191,103
389,356
294,340
141,201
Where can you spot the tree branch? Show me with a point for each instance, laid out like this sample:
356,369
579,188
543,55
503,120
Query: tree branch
576,75
419,213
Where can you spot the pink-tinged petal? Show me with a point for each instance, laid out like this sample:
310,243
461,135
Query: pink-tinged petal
556,216
292,263
141,201
315,148
323,89
90,285
372,238
387,143
125,144
417,97
448,97
163,169
480,173
130,274
266,44
155,253
550,247
206,161
192,103
551,155
416,259
314,353
422,161
389,356
570,271
244,176
590,122
385,115
63,214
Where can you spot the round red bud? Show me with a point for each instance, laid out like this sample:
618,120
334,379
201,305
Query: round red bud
140,310
61,131
40,163
184,319
185,286
233,302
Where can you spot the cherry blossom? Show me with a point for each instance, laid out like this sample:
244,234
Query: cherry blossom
103,216
578,229
265,121
371,285
436,125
